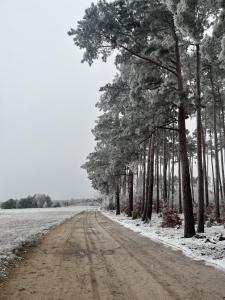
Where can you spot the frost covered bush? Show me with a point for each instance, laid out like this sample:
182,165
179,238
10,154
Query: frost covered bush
170,218
207,215
124,207
211,216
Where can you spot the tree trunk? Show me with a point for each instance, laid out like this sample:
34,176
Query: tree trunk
144,216
189,227
169,184
223,122
180,193
137,181
217,201
144,180
151,179
160,177
125,185
157,180
222,164
130,192
117,199
164,169
222,111
192,179
200,226
221,187
213,177
173,162
205,171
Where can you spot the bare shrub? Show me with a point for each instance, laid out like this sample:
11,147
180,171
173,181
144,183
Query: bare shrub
124,207
170,218
210,214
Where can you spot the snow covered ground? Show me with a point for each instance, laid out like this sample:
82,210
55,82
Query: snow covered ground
208,246
21,226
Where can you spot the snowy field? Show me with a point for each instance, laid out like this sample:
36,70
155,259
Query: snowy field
20,226
209,246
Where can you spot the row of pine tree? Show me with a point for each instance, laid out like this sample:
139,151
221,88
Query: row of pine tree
170,59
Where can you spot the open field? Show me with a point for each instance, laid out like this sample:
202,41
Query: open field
22,226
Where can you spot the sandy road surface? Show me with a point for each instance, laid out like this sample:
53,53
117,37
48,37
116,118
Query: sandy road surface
90,257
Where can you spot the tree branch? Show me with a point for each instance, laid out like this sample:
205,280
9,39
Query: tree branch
169,128
148,60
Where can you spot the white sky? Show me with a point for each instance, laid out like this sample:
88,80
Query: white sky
47,100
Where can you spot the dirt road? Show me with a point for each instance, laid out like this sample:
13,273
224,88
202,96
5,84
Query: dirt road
90,257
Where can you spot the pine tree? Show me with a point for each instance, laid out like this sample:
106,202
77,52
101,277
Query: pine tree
168,69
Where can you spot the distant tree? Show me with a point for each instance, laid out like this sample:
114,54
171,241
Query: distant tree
43,200
56,204
48,201
26,202
9,204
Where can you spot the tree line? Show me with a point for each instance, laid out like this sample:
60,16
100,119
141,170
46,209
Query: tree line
170,58
35,201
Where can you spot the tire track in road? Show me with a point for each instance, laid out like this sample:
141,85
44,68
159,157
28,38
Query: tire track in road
94,282
178,275
58,266
115,284
171,294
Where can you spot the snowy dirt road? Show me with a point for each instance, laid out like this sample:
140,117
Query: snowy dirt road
91,257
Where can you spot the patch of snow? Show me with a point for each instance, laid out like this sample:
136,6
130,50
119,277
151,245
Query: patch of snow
208,246
21,226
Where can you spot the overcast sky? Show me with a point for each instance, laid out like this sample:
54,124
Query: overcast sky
47,100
